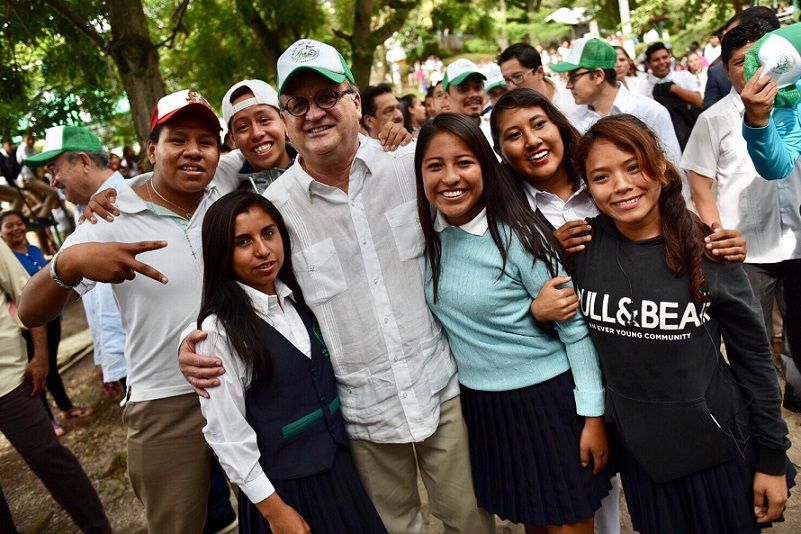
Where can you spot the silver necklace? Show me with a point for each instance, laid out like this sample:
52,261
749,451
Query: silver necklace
183,213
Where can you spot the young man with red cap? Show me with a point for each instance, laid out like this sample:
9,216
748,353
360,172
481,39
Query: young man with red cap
168,458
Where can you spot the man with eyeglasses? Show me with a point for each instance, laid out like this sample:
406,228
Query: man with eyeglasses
441,103
357,251
593,82
521,66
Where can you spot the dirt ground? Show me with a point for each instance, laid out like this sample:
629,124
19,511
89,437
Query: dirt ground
99,443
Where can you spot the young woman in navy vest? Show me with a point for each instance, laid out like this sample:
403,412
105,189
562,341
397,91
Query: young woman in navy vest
532,398
274,422
702,442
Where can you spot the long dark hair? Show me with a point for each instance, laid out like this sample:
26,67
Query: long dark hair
682,231
503,204
222,295
528,98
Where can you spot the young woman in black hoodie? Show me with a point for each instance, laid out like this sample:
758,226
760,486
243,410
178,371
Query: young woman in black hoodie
702,442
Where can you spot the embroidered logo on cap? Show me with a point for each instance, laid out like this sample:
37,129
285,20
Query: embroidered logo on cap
305,52
196,98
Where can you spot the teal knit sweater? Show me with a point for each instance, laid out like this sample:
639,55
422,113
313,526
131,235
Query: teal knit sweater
492,334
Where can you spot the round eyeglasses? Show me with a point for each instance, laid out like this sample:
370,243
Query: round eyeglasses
298,106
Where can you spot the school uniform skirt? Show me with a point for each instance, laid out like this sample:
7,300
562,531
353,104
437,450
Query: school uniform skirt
718,500
524,454
334,502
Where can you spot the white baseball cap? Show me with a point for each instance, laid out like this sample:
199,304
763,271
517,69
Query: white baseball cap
263,93
458,71
308,54
494,77
169,105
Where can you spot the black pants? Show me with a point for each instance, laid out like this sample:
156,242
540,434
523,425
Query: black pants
782,281
54,383
27,427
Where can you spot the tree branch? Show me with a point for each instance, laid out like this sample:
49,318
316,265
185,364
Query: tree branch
90,33
342,35
177,16
394,23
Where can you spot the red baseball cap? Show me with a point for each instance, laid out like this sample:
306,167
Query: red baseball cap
169,105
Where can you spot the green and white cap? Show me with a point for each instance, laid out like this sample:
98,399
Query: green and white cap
589,54
780,53
458,71
308,54
60,139
494,77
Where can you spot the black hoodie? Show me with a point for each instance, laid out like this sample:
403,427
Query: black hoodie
676,404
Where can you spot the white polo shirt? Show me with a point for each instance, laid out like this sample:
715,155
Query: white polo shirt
765,211
153,314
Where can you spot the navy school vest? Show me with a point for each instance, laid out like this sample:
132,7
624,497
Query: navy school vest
295,412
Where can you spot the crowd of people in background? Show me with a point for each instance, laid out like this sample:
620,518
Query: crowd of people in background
514,280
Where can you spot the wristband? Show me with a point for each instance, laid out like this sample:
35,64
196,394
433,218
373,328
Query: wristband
56,279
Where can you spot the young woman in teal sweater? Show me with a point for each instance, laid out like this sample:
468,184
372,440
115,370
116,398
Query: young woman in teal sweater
532,397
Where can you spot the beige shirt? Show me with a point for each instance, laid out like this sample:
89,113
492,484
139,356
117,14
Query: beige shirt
13,357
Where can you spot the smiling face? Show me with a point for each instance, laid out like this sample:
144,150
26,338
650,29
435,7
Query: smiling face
320,134
70,173
467,98
532,144
185,156
623,191
13,231
259,132
660,62
452,178
258,250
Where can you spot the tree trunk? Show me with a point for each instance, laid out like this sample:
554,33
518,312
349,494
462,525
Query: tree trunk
364,40
269,39
137,61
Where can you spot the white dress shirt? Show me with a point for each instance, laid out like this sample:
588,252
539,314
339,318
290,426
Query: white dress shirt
765,211
358,257
227,431
652,113
579,206
682,78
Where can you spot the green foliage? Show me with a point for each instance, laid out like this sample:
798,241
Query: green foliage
49,74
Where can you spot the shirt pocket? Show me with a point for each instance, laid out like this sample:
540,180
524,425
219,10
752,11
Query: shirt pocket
405,225
357,397
319,272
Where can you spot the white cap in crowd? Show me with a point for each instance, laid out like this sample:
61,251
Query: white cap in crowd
263,93
458,71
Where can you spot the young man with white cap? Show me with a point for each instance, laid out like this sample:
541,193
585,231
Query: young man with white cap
351,211
251,113
168,458
592,79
